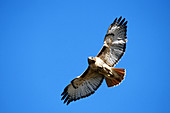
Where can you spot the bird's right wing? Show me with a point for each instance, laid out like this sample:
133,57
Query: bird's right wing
82,86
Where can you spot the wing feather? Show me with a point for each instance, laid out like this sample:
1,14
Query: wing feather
114,42
82,86
111,52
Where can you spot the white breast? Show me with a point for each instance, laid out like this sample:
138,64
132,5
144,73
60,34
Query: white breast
101,63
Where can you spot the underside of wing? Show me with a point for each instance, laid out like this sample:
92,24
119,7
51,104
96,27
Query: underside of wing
114,42
82,86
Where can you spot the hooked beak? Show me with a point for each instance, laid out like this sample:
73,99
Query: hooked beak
91,60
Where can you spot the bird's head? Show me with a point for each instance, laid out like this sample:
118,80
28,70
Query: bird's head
91,60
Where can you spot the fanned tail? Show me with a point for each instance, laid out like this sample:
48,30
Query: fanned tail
116,79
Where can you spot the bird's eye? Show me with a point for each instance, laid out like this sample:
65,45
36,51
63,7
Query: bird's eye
93,61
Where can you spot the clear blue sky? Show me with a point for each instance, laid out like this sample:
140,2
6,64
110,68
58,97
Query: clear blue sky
44,44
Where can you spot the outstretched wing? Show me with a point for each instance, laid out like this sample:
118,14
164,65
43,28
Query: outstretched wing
114,42
82,86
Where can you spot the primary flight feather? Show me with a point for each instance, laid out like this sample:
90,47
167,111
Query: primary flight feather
101,66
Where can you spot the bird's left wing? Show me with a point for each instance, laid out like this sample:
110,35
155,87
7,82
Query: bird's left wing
114,42
82,86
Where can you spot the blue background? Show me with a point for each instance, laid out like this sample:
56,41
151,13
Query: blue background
44,44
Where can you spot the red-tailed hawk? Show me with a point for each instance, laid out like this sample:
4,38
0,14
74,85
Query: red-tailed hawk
101,66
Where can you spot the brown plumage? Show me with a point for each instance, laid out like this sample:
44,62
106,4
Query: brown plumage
101,66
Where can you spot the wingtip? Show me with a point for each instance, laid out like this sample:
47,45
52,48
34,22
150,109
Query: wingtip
114,21
121,22
119,19
68,103
64,96
62,93
125,23
66,99
65,90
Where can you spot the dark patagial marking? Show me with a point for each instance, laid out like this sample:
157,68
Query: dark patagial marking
85,73
110,34
72,82
102,50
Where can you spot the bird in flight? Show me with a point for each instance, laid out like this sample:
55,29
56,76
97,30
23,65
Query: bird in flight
101,66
